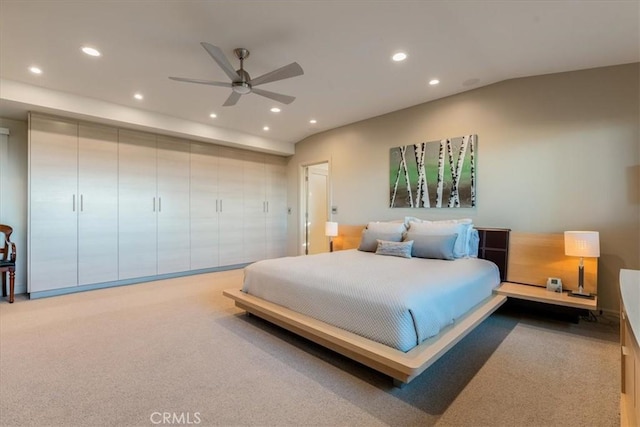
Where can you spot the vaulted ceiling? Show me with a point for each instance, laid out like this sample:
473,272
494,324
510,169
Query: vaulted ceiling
344,47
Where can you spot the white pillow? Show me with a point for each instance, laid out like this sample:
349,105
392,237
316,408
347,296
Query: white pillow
461,247
387,227
464,233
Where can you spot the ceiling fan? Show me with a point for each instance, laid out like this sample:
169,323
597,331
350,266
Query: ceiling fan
241,83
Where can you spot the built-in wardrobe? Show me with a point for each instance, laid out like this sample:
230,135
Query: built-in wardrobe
110,206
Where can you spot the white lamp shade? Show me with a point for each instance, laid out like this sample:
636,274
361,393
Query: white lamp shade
331,229
582,243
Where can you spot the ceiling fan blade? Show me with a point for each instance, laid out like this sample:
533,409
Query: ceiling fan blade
202,82
232,99
285,99
221,60
292,70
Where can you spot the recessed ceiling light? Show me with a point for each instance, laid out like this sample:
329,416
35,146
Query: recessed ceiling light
265,128
138,96
313,121
400,56
91,51
213,115
35,70
434,82
275,110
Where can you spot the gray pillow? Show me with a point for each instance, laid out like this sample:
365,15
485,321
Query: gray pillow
434,247
399,249
369,240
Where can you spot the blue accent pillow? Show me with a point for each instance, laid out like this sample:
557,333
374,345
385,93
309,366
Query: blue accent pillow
434,247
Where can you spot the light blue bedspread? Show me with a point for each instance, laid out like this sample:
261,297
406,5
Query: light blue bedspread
398,302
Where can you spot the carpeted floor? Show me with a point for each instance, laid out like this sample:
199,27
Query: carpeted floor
178,352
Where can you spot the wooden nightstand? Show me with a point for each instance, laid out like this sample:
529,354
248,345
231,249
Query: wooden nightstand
540,294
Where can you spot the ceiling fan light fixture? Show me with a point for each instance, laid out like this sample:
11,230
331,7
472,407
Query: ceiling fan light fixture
242,88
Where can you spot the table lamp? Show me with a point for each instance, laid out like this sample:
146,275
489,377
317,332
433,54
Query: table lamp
331,230
581,244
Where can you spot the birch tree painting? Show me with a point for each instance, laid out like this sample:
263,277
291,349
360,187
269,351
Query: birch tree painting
438,174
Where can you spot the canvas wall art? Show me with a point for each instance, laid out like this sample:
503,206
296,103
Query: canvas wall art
438,174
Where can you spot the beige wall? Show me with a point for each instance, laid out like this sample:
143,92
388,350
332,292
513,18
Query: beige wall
14,210
555,152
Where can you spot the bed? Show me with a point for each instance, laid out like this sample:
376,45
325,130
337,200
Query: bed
392,314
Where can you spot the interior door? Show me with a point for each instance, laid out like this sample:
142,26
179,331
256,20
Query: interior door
173,205
317,208
98,204
137,205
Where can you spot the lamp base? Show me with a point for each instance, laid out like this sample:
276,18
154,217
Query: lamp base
579,294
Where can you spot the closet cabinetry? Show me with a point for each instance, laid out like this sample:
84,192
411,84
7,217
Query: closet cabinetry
265,207
153,205
72,204
110,206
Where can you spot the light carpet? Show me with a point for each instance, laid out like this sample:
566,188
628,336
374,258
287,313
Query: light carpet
178,352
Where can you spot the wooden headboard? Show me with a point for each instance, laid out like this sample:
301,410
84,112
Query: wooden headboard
535,257
521,257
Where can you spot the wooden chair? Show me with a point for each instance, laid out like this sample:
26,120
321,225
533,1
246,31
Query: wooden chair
8,261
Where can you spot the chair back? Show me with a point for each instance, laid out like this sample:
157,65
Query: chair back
4,250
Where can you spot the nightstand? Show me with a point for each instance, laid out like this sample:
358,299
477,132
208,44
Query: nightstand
541,294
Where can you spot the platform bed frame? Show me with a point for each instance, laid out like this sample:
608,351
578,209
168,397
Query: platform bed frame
402,367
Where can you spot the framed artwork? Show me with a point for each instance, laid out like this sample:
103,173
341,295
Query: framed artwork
438,174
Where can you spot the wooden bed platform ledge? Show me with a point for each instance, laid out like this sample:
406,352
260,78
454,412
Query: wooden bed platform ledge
402,367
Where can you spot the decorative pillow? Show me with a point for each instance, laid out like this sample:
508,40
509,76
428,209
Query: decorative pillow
369,239
387,227
461,247
399,249
434,247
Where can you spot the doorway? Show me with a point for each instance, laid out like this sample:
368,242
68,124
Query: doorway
315,212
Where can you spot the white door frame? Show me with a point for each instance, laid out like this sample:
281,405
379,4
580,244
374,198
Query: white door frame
304,167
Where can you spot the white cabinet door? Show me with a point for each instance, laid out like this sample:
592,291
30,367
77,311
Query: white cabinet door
276,196
254,207
173,205
53,204
137,205
98,204
230,195
204,206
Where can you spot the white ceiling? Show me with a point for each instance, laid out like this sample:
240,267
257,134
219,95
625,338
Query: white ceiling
344,48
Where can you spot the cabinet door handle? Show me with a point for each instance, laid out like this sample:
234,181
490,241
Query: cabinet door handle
154,204
264,207
82,203
216,205
74,203
159,204
220,205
